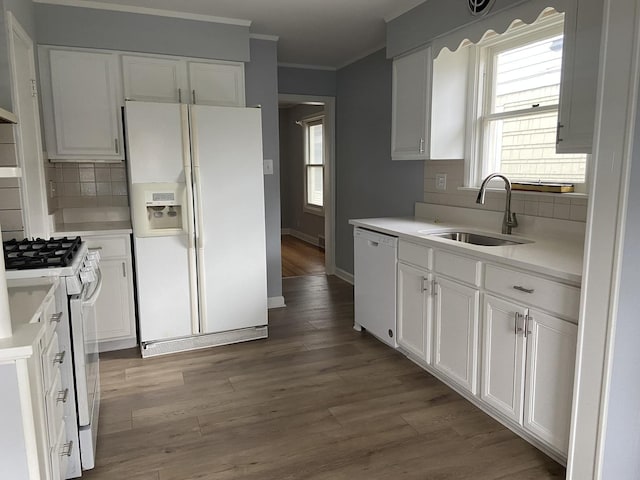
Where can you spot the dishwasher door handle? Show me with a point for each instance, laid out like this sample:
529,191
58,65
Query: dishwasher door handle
372,243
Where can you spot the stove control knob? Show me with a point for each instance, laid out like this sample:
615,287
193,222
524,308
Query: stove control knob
87,275
88,263
94,255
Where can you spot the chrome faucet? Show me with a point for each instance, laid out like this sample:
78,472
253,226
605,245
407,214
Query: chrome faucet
509,221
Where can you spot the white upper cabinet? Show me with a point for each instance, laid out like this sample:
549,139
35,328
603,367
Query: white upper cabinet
176,80
217,84
449,104
81,105
576,114
151,79
411,106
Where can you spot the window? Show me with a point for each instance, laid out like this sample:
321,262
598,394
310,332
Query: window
518,104
314,165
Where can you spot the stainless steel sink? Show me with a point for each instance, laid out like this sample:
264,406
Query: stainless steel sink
477,239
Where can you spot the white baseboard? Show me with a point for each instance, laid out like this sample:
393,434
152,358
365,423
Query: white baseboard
275,302
344,275
302,236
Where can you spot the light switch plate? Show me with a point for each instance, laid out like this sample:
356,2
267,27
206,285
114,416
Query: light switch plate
441,181
268,166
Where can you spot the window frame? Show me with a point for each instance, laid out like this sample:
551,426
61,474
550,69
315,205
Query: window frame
307,123
482,59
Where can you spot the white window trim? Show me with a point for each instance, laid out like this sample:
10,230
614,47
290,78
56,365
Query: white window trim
306,123
479,102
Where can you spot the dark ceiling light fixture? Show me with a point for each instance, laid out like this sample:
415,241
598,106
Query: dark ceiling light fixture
480,7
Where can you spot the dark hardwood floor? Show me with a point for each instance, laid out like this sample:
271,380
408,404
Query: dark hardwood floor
317,400
301,258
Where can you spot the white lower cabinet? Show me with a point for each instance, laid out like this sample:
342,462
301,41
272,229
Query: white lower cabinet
503,357
414,310
528,364
115,307
551,352
455,335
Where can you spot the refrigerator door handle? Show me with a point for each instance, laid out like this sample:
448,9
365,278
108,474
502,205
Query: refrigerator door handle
199,217
191,234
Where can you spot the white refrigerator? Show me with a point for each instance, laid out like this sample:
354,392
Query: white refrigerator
197,206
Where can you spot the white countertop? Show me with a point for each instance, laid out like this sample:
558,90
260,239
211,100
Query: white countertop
554,256
88,229
25,303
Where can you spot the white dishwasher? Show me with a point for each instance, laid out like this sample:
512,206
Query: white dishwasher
376,257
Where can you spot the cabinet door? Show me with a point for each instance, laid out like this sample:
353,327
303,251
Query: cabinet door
551,352
456,332
414,307
576,114
217,84
86,111
502,378
151,79
114,305
411,111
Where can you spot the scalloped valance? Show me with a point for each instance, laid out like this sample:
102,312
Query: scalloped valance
499,23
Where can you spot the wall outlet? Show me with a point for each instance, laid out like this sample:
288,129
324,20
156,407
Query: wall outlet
268,166
441,181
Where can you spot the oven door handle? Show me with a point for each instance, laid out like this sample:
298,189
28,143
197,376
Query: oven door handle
91,301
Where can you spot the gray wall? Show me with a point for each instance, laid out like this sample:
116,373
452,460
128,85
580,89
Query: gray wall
369,184
292,172
622,437
261,79
305,81
23,10
92,28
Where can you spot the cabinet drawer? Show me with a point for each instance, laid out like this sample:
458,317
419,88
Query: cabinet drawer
416,254
109,247
533,290
456,266
54,403
50,317
52,358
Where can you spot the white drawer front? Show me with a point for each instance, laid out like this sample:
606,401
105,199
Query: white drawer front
50,317
53,357
60,453
109,247
533,290
415,254
456,266
54,401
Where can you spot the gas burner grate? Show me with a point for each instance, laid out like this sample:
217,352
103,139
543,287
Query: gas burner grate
40,253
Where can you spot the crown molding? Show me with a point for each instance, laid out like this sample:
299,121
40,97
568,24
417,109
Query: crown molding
262,36
146,11
306,67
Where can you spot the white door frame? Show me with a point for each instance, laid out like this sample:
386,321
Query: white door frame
35,212
330,172
613,151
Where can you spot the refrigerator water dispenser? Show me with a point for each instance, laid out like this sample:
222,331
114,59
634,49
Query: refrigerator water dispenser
159,209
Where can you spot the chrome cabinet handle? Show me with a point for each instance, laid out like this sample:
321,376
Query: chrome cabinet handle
115,141
527,318
56,317
179,95
124,270
517,328
59,358
558,137
66,450
421,145
193,93
424,285
522,289
63,396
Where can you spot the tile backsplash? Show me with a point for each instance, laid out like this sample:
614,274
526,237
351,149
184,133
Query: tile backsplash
559,206
82,185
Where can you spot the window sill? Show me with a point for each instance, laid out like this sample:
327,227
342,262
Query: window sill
313,211
529,193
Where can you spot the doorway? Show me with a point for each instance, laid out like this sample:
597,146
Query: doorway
307,184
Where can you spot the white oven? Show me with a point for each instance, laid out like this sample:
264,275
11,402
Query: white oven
83,319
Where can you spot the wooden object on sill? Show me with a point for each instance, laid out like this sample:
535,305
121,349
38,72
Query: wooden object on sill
543,187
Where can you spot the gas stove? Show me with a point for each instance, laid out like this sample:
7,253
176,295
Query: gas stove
40,253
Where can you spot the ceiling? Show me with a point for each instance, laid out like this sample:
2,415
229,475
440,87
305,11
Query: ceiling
322,33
